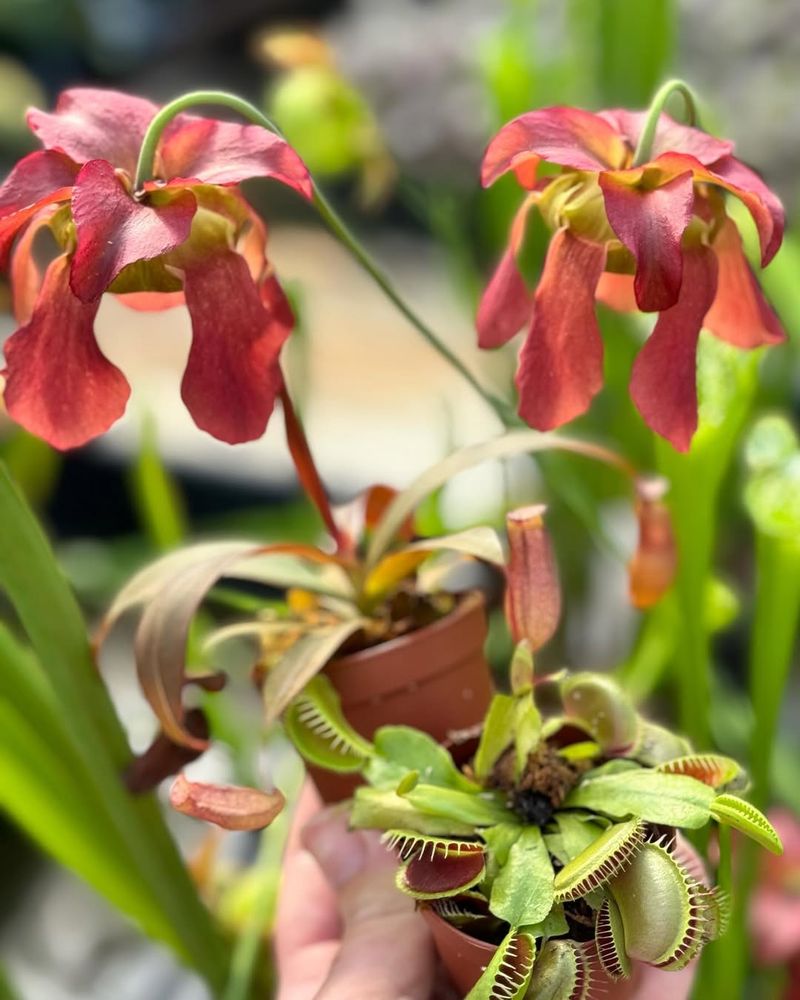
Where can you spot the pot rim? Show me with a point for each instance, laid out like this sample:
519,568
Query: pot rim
432,916
467,602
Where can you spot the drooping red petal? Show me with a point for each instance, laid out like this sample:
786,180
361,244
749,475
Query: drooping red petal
568,136
59,385
37,180
740,314
561,361
232,376
616,292
26,278
650,218
663,381
670,137
506,302
115,230
728,173
38,175
216,152
93,124
762,203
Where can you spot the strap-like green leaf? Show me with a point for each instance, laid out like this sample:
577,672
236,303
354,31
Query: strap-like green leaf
51,618
303,661
496,736
382,809
480,809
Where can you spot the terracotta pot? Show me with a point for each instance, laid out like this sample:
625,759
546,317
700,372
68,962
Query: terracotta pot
463,957
435,679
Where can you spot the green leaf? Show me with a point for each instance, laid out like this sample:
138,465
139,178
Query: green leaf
743,816
523,890
284,571
670,799
480,810
399,749
496,735
500,839
302,662
383,809
315,724
577,832
50,616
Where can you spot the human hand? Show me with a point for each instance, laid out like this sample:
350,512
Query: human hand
343,931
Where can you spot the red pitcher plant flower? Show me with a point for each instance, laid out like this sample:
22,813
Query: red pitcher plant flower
639,222
187,234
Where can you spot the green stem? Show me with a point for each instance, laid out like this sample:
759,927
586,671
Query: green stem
657,105
774,634
328,214
777,611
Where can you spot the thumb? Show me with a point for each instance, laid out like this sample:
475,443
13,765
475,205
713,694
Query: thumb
386,952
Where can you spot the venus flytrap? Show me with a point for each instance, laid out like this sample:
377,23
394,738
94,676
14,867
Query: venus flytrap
578,855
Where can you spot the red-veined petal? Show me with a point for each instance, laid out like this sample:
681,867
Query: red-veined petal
728,173
59,385
93,124
37,180
232,376
216,152
506,302
570,137
561,361
740,314
663,381
650,218
670,137
759,199
115,230
38,175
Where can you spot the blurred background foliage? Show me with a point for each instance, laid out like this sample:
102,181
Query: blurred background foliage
391,102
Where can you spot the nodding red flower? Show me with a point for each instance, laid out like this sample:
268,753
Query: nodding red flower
188,236
653,237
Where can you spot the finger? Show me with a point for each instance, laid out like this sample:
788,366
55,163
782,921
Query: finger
386,952
308,911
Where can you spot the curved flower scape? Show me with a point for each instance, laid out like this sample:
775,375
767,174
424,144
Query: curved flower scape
189,235
653,237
